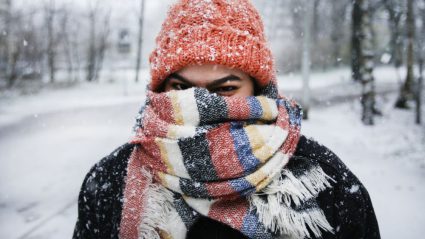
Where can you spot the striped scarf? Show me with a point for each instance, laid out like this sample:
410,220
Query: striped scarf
221,157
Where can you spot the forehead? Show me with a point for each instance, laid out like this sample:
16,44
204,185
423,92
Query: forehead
209,72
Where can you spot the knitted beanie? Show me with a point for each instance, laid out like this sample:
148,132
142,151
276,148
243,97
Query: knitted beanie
223,32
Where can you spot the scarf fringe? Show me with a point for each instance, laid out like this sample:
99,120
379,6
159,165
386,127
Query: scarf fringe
276,213
301,189
157,211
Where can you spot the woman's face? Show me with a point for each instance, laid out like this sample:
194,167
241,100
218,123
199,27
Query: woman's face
218,79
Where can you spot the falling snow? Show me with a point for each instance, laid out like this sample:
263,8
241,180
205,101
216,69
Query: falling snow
354,189
388,158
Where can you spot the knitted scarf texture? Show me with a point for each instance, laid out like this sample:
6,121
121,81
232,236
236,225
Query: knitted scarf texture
225,158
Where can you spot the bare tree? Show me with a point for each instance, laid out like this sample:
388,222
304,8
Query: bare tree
339,8
421,55
103,45
69,27
297,9
31,39
67,47
315,28
419,92
356,37
13,50
52,38
91,56
98,42
306,59
395,11
140,38
406,90
363,58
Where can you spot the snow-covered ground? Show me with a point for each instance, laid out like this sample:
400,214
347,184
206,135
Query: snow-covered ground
50,140
389,158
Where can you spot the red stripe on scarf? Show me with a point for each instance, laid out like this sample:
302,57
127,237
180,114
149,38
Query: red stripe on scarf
133,205
221,190
291,141
282,118
151,155
153,125
237,107
224,158
166,112
231,213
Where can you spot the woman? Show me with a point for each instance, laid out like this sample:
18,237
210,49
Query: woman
217,152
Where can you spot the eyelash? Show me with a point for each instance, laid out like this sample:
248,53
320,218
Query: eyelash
180,86
223,90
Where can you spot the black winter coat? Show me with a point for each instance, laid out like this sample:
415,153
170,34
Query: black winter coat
347,204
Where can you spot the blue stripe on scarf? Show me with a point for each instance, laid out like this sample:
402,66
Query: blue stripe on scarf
243,147
255,109
242,186
250,224
295,113
253,228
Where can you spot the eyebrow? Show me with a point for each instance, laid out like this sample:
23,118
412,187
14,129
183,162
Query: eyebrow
213,84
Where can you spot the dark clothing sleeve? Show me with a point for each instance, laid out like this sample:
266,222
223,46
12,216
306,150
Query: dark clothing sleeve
347,204
86,222
100,199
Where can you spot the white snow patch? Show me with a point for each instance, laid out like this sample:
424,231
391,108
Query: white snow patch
354,189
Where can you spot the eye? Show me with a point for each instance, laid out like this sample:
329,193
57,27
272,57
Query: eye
174,84
225,90
179,86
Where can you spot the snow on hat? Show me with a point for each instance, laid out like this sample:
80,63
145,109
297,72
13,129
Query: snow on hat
224,32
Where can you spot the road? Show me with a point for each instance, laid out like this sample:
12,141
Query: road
43,161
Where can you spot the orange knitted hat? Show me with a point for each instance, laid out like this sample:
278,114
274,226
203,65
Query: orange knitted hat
224,32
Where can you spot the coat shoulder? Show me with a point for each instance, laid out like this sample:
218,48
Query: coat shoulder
316,153
100,198
111,168
106,177
117,158
347,205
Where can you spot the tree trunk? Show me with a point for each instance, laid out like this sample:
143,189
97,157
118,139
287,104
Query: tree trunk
67,46
366,69
306,59
139,39
362,39
91,57
421,54
51,41
12,49
315,30
406,90
12,74
396,42
337,32
356,36
419,93
76,53
100,54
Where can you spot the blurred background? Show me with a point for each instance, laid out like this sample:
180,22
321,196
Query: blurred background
73,77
